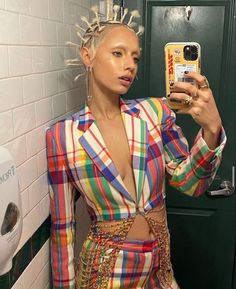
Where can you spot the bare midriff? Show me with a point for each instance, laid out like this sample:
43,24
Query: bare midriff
140,229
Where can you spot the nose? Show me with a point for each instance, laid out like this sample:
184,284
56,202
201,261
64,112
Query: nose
130,64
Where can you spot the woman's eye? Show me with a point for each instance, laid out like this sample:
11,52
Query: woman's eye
117,53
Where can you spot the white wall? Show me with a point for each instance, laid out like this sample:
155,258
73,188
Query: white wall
36,88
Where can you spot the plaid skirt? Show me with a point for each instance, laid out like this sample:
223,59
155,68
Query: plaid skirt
136,267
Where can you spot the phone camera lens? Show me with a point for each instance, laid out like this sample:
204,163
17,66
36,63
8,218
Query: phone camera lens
190,52
187,50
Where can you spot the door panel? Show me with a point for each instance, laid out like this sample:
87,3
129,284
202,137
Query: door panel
203,230
169,23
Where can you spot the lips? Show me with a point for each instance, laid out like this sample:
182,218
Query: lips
126,80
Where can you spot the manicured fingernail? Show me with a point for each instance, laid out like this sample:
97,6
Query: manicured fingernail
186,72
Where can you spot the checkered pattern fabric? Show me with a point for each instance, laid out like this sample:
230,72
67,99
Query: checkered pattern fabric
78,161
136,266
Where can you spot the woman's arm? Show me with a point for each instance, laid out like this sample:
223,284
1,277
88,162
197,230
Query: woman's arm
200,105
192,171
62,196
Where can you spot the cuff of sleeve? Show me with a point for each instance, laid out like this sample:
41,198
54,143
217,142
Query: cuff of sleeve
204,160
222,140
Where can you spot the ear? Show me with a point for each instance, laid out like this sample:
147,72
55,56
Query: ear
86,56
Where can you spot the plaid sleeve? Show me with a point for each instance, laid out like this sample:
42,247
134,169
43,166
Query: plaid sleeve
62,214
191,172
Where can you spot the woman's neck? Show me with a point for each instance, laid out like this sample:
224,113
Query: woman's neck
105,107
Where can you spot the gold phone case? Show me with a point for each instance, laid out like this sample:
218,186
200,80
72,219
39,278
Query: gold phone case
177,60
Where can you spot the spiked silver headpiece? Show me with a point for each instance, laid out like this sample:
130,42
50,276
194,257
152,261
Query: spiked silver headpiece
100,21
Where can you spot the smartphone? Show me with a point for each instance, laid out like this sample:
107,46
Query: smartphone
180,57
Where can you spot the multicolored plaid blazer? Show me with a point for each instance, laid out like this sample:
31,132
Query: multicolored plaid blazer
78,161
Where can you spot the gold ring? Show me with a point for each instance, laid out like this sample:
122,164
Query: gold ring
188,101
206,84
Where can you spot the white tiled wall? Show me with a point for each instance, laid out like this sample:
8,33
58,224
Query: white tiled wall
37,273
36,88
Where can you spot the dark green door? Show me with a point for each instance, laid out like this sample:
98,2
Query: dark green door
203,229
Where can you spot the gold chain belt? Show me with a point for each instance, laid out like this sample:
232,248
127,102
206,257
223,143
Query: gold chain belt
101,248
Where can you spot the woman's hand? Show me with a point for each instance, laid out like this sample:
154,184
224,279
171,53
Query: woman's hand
200,104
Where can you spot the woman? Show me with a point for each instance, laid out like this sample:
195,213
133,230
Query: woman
116,154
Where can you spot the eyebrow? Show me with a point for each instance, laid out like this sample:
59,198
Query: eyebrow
119,46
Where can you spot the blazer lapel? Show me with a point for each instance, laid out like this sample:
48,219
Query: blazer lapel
93,143
137,134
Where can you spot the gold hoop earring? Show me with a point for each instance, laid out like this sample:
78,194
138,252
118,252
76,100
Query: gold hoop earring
89,83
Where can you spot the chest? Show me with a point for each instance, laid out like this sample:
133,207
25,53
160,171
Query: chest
115,138
116,161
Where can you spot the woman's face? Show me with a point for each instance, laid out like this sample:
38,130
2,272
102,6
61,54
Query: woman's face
116,61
